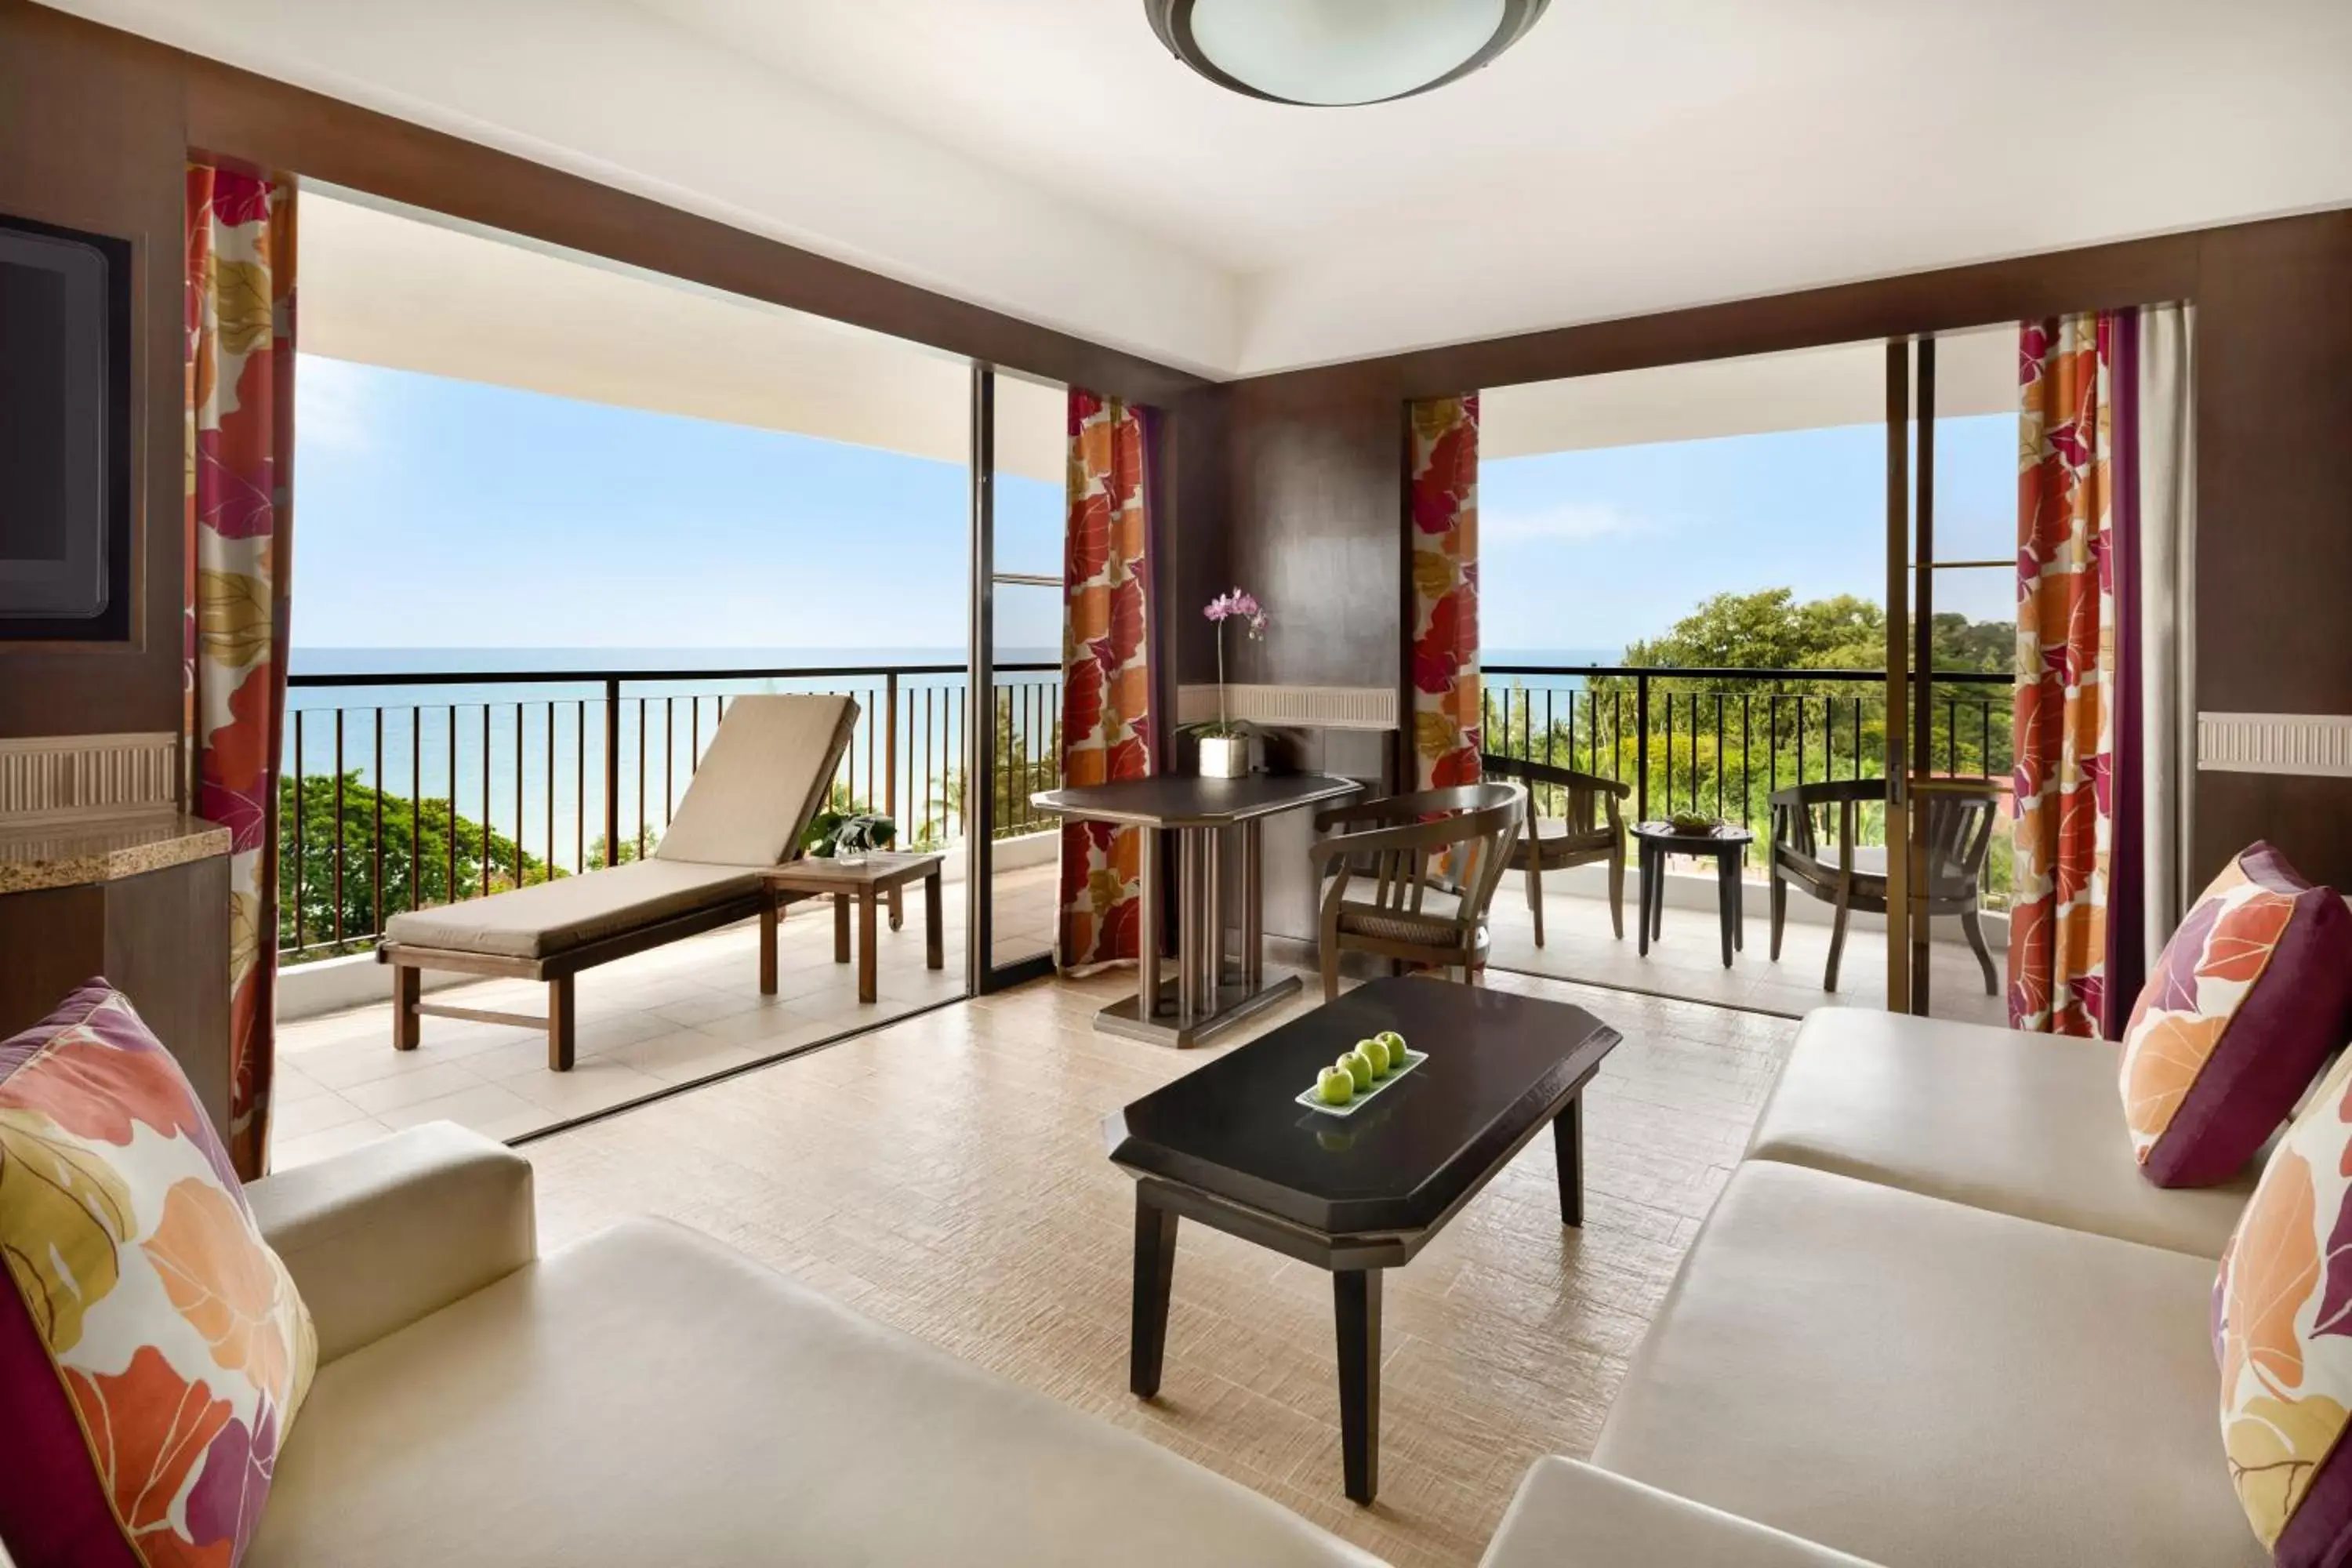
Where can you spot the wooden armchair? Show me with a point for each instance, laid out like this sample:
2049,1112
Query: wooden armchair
1959,836
1577,836
1432,858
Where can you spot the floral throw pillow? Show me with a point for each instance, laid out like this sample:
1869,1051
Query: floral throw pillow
2283,1331
2252,994
152,1349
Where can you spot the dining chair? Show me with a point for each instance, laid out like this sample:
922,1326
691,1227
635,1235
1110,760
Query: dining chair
1589,831
1430,861
1807,820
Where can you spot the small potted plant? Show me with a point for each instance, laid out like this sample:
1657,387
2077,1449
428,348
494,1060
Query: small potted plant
1225,741
847,838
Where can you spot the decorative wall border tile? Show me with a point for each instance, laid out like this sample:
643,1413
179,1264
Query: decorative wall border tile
2315,745
1296,707
66,778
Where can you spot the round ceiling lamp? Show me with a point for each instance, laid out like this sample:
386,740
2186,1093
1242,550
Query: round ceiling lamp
1335,52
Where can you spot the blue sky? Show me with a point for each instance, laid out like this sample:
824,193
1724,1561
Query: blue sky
434,512
1592,550
440,513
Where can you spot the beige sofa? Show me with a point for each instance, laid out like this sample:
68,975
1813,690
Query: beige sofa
1936,1318
648,1396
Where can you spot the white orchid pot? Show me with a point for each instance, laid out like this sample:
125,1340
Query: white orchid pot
1224,756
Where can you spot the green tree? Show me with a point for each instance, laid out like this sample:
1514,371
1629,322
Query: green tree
1721,743
313,839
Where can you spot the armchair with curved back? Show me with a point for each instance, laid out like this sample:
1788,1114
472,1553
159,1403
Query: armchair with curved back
1958,838
1579,836
1431,860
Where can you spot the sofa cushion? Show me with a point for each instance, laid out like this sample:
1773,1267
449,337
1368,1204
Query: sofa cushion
2283,1331
548,918
1568,1515
2252,994
154,1352
1923,1384
761,781
2021,1123
648,1395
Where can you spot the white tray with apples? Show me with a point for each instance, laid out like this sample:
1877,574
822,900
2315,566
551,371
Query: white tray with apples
1400,1059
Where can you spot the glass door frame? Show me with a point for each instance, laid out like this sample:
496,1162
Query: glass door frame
1911,568
982,974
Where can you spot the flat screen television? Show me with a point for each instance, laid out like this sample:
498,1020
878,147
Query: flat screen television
65,434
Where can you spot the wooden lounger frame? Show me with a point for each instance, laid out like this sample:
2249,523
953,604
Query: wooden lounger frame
409,963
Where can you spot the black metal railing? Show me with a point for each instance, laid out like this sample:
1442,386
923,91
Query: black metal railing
1718,742
402,791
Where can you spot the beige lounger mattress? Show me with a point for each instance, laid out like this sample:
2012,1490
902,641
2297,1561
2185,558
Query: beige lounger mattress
572,912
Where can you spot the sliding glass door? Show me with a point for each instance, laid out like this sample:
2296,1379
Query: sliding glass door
1013,723
1951,575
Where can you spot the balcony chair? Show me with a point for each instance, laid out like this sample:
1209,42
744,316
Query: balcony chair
1577,836
1434,858
1959,835
765,774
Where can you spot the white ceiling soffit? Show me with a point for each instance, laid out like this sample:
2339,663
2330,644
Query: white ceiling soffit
1976,372
1047,158
384,289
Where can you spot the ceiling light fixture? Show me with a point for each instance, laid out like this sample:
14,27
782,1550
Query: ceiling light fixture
1336,52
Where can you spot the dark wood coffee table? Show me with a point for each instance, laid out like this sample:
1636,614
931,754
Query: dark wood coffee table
1228,1146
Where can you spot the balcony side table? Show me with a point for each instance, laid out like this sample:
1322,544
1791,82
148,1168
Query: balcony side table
864,883
1728,845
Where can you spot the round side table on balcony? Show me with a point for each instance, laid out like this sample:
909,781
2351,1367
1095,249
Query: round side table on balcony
1728,845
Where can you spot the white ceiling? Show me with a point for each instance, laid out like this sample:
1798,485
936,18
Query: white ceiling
1976,372
1044,157
384,289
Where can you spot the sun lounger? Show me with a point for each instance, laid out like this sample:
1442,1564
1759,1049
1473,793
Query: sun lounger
765,774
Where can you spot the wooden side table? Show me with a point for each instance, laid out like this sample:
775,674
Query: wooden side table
865,884
1728,846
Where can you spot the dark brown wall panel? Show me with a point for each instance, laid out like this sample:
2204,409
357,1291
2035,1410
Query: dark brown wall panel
2310,819
1317,492
93,136
2274,468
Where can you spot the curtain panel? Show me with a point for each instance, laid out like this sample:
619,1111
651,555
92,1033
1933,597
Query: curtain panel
2065,675
2104,732
1107,673
240,264
1442,531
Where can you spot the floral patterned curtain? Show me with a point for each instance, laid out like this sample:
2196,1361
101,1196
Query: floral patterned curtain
240,445
1444,535
2066,676
1107,667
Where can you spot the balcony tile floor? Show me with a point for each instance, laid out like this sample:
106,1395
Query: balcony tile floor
1687,962
671,1016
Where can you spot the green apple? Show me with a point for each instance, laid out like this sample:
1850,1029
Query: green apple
1377,1054
1358,1066
1395,1043
1336,1086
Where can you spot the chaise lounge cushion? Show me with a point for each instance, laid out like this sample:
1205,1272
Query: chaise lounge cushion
548,918
2020,1123
648,1396
761,782
1929,1386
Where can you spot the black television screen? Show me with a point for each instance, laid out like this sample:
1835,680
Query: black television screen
65,434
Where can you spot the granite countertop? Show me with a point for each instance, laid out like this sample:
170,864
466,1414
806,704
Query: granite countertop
102,848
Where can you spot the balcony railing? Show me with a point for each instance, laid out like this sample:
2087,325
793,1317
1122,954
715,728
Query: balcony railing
1718,742
404,791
